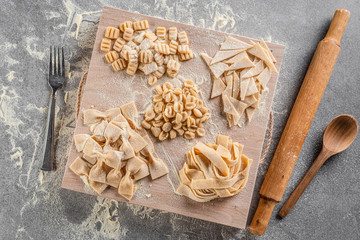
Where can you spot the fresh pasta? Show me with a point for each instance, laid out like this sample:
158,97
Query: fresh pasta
141,25
154,52
112,33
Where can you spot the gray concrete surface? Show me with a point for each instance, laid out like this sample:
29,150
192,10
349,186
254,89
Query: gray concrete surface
35,207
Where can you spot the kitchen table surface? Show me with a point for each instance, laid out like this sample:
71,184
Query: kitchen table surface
35,207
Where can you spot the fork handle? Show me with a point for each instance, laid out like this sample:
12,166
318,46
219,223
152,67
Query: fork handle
49,141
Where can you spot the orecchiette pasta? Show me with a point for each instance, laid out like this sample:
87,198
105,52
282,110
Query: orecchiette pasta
176,112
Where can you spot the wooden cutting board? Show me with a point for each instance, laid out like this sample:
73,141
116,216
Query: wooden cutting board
106,89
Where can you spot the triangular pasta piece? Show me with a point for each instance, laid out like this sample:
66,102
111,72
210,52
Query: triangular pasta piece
218,87
250,72
265,46
233,43
250,113
229,86
216,69
236,58
222,55
236,86
259,52
239,107
242,63
207,59
252,89
264,77
250,100
243,87
228,106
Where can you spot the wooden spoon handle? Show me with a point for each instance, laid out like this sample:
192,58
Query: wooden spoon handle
305,181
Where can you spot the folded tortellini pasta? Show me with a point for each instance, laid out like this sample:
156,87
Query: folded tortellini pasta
214,170
117,153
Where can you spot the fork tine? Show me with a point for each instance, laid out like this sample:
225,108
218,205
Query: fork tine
63,61
51,62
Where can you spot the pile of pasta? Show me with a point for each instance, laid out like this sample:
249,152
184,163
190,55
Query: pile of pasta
176,112
214,170
241,72
140,48
118,153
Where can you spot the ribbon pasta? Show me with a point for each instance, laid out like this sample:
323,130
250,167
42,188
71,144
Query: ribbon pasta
214,170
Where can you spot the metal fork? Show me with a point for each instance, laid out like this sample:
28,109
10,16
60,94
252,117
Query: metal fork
56,80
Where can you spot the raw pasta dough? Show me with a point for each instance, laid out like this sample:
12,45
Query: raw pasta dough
215,170
241,72
118,153
139,48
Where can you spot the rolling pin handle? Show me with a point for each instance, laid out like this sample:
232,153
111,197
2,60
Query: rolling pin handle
262,216
337,26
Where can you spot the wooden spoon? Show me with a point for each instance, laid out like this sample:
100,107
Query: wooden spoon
338,136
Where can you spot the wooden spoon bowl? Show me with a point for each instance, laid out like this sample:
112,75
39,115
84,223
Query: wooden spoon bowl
340,133
338,136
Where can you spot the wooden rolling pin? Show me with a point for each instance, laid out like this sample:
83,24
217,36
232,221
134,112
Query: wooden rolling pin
299,122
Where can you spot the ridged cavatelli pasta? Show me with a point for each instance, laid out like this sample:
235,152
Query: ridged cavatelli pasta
183,38
159,72
111,56
105,44
139,38
131,44
125,52
161,33
159,58
128,34
170,57
186,56
131,68
173,33
162,48
133,56
173,68
150,35
119,64
173,45
118,45
146,56
184,49
112,33
127,24
141,25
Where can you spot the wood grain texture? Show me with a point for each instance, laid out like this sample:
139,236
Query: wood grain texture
300,119
105,89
